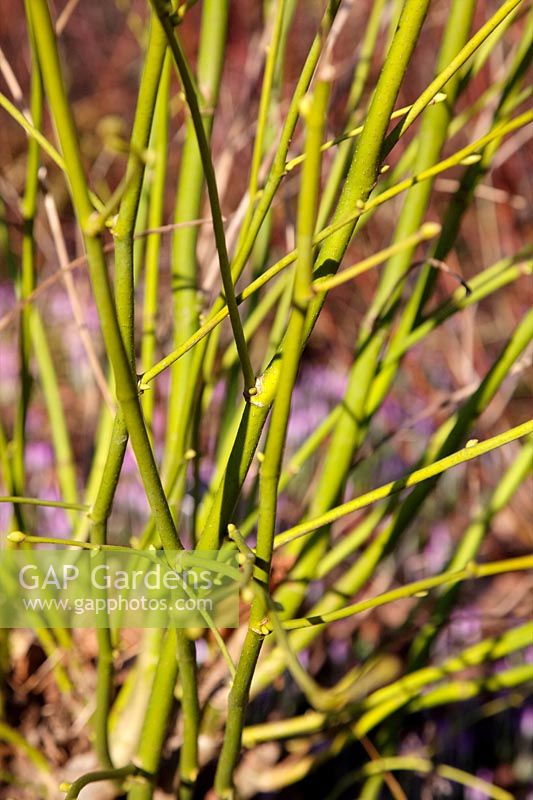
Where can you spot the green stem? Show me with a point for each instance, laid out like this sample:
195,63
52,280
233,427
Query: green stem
446,439
210,179
216,317
344,154
455,64
418,476
190,707
126,388
315,112
273,50
184,261
66,469
124,227
156,720
120,774
468,548
422,765
153,243
27,274
123,232
470,572
35,501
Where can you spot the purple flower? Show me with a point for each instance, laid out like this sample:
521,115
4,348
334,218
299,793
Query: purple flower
472,793
317,391
391,468
526,723
392,412
38,456
7,298
6,511
437,550
339,651
9,370
53,521
58,307
466,629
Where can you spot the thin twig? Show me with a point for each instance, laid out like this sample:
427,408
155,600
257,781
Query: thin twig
77,310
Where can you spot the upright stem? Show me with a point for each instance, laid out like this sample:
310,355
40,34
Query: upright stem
471,541
212,190
264,107
124,226
33,335
344,154
445,440
126,388
156,720
359,183
153,244
27,276
315,112
184,264
124,294
352,421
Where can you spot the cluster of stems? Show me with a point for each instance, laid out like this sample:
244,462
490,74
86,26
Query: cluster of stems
342,183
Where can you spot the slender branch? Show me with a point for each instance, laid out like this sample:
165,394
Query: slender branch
426,767
315,113
77,310
124,379
416,589
119,774
465,53
210,179
426,232
264,106
440,97
472,450
36,501
330,230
